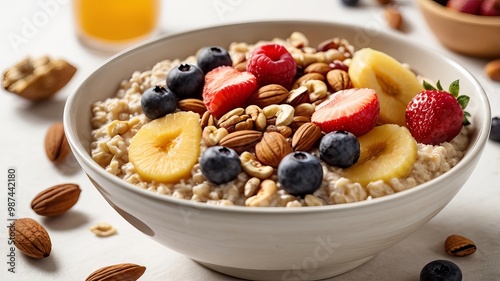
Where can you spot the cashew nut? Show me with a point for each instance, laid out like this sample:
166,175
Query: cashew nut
211,135
258,116
312,200
267,192
103,229
317,90
283,112
251,187
253,167
298,40
333,54
305,59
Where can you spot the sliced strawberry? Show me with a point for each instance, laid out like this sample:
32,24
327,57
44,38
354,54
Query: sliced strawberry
227,88
272,64
352,110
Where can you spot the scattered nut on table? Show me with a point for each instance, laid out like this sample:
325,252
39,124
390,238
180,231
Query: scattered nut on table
37,79
122,271
56,200
56,145
460,246
103,229
492,69
31,238
393,17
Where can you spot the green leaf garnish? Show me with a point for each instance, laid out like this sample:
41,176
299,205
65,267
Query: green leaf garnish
454,88
428,86
466,122
438,85
463,100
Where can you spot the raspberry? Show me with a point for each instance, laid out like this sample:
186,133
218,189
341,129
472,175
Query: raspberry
272,64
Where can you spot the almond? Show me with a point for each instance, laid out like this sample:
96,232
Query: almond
267,95
393,17
492,69
194,105
56,144
318,67
306,137
272,148
117,272
241,140
56,200
31,238
298,121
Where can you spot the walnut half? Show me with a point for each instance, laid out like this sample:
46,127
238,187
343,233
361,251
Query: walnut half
37,79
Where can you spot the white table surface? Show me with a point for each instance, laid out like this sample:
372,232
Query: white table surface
77,252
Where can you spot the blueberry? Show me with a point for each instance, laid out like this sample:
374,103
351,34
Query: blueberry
495,129
213,57
220,164
339,149
186,81
300,173
442,2
350,3
441,270
157,102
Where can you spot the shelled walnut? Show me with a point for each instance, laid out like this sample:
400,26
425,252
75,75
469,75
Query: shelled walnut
37,79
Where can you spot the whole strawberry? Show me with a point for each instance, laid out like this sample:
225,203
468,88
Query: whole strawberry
435,116
272,64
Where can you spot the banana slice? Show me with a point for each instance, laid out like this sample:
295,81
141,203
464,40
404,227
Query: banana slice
387,151
167,148
395,84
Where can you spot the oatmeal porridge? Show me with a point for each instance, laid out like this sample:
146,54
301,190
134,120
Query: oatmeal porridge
117,120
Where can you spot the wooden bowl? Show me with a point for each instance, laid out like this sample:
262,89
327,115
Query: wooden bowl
472,35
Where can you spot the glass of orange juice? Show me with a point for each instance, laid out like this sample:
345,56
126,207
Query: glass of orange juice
112,25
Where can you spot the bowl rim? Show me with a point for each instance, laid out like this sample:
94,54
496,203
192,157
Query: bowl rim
449,14
82,155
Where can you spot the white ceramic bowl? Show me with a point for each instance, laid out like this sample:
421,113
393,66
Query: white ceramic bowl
274,243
